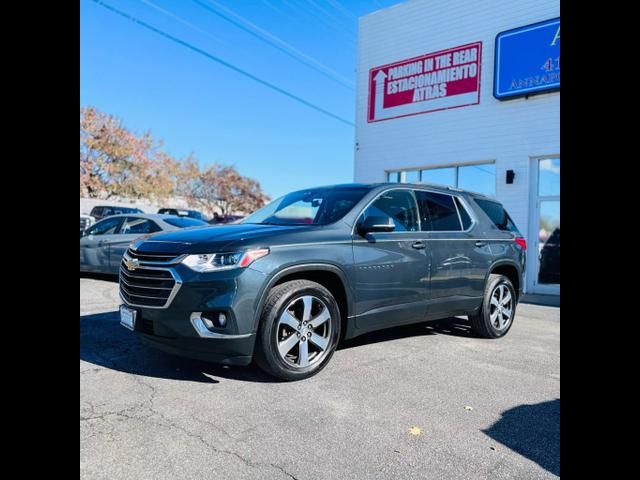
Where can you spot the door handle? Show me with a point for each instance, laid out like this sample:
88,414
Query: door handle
102,242
480,243
419,245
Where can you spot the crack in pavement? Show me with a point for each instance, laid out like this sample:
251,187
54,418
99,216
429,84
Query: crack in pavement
149,404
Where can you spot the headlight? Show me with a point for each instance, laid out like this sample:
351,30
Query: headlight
210,262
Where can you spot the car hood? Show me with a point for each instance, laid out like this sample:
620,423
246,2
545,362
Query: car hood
214,238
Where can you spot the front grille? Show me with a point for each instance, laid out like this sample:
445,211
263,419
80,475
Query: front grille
146,287
152,256
83,223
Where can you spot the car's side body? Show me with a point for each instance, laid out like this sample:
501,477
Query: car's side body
101,250
379,280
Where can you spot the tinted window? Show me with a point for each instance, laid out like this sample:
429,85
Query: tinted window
139,225
318,206
400,206
184,222
438,212
105,227
497,214
464,215
96,211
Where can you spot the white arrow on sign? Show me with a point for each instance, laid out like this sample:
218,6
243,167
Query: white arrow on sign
381,113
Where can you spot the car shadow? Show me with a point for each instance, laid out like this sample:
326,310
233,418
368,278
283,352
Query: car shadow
453,326
106,343
533,431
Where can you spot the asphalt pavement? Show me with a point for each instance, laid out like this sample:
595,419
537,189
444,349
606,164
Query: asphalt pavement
423,401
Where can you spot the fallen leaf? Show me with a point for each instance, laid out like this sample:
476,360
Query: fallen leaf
415,431
492,448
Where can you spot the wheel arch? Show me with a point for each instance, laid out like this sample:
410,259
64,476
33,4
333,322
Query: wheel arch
332,277
509,269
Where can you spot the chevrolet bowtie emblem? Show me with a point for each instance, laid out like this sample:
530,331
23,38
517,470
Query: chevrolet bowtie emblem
132,263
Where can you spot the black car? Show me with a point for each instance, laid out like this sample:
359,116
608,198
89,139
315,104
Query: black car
102,211
183,213
323,264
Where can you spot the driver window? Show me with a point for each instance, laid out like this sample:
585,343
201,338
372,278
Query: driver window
400,206
105,227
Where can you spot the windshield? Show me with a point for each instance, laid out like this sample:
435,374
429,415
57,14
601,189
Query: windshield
183,222
318,206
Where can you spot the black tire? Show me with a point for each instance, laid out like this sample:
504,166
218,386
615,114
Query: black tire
481,323
267,356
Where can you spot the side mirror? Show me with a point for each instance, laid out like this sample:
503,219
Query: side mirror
376,224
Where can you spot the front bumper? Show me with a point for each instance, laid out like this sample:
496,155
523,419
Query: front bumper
172,328
232,351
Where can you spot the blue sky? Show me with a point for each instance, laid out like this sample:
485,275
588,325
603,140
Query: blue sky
196,105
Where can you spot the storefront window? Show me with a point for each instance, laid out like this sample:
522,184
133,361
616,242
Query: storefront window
393,177
411,176
548,204
478,178
440,176
549,180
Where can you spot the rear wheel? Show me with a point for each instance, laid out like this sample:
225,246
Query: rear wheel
498,308
299,330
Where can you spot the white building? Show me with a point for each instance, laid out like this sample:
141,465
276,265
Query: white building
427,109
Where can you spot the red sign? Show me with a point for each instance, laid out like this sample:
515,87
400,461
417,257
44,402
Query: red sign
435,81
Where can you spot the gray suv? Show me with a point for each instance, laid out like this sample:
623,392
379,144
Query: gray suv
319,265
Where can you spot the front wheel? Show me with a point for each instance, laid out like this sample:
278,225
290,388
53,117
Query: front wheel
299,330
498,308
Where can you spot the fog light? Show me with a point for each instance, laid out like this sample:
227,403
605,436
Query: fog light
207,322
214,319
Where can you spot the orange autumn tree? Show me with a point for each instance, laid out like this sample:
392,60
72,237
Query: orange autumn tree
114,161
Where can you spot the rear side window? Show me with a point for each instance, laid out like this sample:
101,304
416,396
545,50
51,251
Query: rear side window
464,215
497,214
400,206
438,212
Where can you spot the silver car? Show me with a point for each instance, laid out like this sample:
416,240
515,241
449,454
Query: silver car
102,245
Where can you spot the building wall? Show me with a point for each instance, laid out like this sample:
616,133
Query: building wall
508,132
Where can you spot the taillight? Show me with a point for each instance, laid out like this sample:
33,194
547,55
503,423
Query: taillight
522,242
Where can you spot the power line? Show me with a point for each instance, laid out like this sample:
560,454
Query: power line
346,38
338,6
223,62
183,21
273,41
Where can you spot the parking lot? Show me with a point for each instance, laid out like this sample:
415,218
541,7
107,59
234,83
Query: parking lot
423,401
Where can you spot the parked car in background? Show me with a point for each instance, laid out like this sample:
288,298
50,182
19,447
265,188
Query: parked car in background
103,244
180,212
101,211
321,264
223,219
85,222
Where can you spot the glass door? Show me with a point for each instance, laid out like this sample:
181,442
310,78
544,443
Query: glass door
547,234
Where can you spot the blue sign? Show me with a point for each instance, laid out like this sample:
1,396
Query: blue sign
527,60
